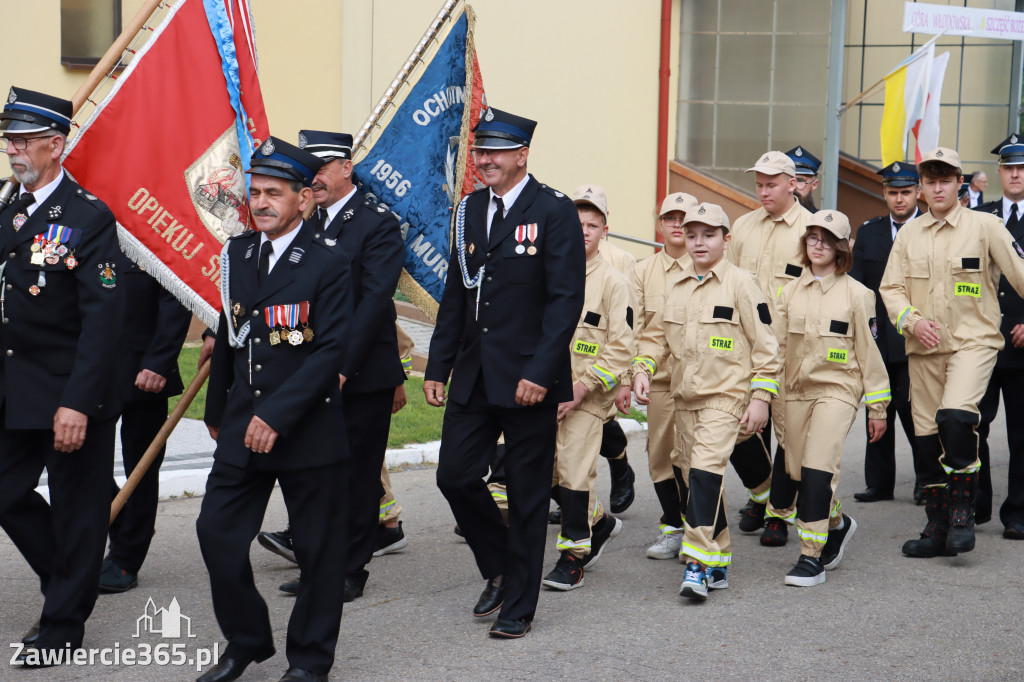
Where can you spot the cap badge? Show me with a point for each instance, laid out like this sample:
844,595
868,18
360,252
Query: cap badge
701,211
679,200
766,158
589,190
799,152
13,97
488,115
302,141
1013,139
938,154
896,167
268,148
828,218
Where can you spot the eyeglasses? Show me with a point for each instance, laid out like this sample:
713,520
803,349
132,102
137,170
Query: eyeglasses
814,240
19,143
801,180
672,220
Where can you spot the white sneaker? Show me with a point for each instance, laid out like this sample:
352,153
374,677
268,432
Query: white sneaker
667,546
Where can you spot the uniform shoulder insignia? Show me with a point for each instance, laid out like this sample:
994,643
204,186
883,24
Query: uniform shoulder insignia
554,192
380,209
245,234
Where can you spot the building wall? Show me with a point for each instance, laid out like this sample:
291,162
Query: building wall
587,72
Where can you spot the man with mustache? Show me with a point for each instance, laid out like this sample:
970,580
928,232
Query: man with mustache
355,224
58,403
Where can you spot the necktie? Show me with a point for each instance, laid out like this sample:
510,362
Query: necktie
499,215
1014,219
22,204
266,248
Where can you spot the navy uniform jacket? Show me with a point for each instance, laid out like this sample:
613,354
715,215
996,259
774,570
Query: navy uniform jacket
61,346
529,304
1010,304
370,236
153,334
294,389
870,254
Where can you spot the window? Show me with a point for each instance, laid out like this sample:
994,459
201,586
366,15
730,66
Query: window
87,29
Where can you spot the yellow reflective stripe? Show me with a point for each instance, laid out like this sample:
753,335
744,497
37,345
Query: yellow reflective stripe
901,316
565,543
646,362
706,558
499,495
385,508
772,513
973,469
765,385
762,498
837,509
407,363
779,292
668,530
877,396
805,534
606,377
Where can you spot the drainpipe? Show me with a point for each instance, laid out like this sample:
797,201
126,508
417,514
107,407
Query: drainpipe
664,72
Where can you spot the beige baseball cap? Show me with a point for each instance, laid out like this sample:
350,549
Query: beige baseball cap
593,195
678,201
833,221
774,163
708,214
942,155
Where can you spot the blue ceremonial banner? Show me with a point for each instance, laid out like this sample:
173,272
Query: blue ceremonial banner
415,164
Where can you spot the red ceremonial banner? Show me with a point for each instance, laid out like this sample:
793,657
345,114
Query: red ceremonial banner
162,149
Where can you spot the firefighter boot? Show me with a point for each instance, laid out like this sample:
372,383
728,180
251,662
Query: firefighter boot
932,542
963,488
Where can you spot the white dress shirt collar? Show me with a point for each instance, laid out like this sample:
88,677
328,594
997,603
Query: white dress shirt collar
43,193
280,245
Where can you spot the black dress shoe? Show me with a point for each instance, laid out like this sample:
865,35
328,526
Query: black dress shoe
1014,531
32,635
490,600
301,675
229,668
291,587
506,628
872,495
353,590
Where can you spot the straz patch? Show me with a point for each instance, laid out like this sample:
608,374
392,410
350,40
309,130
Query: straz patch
1019,249
836,355
967,289
720,343
873,323
586,347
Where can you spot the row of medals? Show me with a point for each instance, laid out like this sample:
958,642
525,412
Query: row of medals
49,254
292,336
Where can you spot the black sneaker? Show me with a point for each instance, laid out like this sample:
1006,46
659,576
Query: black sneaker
114,579
753,519
567,574
280,543
390,540
603,531
555,516
775,533
832,552
808,572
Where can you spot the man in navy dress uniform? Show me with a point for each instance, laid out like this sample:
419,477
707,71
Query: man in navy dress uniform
901,189
1008,377
807,165
511,303
274,407
62,309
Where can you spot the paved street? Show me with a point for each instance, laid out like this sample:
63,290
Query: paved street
879,616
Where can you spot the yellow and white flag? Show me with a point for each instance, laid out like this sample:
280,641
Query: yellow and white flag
912,94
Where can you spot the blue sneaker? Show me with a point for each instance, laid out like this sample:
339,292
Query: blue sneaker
716,577
695,582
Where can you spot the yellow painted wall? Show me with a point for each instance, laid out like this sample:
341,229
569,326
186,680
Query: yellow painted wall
586,70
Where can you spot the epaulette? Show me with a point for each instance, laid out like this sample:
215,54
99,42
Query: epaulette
554,192
90,199
245,234
371,204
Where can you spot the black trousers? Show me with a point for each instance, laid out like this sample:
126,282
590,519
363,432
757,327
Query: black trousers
467,446
132,530
880,457
367,422
62,541
231,515
1009,382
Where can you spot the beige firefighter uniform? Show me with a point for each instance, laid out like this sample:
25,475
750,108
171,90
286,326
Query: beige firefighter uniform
664,456
830,362
947,271
723,353
601,352
389,508
617,257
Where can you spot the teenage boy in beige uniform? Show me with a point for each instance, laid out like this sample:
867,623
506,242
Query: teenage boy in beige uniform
767,242
649,278
601,351
725,368
940,290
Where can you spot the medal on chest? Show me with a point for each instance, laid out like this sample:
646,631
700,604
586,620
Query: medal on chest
288,322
